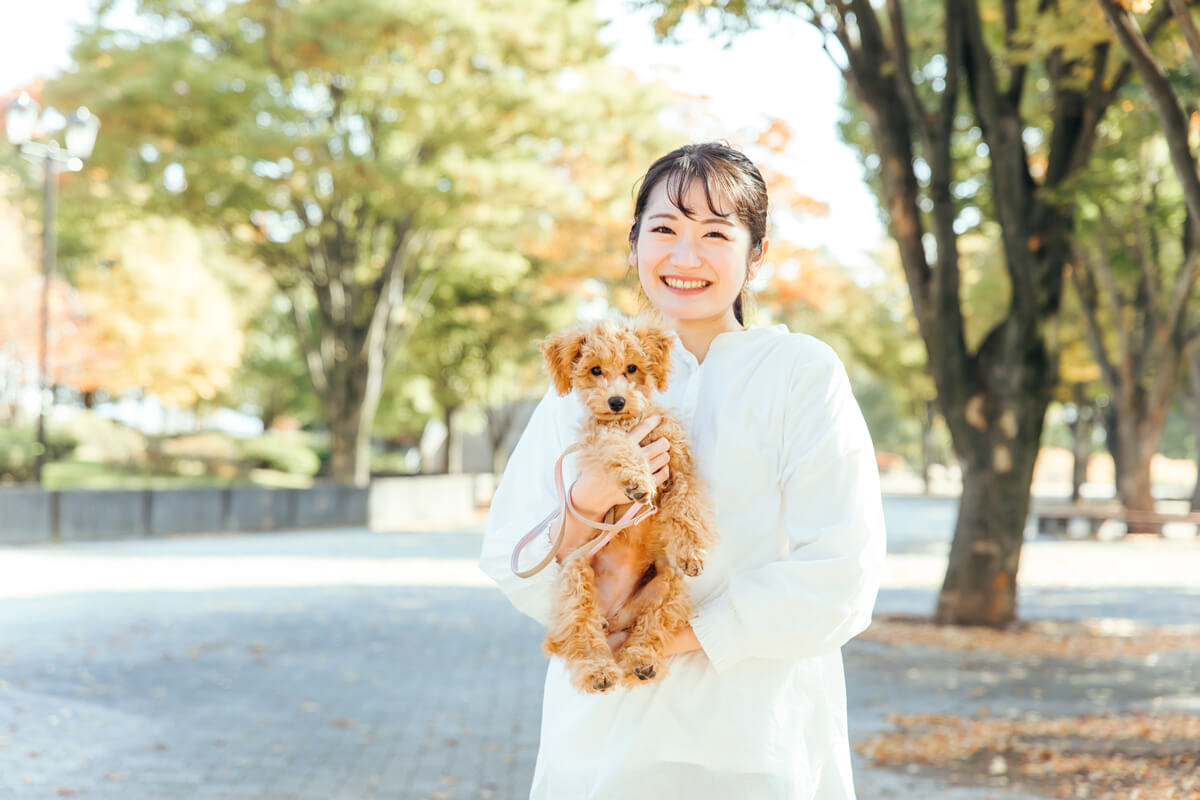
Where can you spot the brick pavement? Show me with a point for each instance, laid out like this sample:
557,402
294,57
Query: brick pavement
320,691
343,664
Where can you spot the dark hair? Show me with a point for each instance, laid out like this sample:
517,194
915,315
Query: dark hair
721,170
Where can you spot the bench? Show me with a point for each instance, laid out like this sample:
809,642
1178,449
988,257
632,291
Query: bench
1089,521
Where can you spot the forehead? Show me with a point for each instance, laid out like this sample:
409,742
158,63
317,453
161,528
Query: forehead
610,342
659,201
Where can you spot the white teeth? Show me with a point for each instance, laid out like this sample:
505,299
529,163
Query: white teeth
675,283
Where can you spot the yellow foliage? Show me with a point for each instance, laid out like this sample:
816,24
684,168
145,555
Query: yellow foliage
172,322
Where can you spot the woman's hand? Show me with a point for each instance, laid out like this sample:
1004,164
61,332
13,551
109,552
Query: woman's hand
594,493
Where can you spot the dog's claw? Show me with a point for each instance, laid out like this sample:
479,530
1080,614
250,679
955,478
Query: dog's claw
644,672
635,493
602,684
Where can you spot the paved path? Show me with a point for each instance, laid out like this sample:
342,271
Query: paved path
344,664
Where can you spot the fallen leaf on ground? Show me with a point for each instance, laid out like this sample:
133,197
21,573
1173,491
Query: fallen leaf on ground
1118,757
1096,638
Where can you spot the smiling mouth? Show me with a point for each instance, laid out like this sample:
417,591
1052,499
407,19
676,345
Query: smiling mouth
677,283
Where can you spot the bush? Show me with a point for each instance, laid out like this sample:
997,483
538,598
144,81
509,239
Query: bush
281,453
18,450
99,440
16,454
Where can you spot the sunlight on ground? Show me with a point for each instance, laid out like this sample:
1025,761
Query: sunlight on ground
206,563
40,573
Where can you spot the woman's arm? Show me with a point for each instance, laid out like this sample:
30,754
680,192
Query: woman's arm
526,494
822,594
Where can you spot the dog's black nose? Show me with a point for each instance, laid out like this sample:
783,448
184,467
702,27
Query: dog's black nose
616,403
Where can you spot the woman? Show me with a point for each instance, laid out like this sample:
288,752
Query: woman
753,706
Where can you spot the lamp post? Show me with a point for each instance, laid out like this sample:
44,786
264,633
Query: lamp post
22,126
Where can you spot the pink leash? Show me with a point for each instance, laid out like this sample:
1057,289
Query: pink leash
632,516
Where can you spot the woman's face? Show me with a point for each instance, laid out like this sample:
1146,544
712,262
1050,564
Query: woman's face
693,269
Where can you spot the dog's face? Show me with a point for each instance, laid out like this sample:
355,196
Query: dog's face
613,366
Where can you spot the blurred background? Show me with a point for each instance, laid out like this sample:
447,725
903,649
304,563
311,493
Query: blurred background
280,264
302,250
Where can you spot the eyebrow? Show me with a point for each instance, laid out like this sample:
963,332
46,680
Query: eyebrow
709,221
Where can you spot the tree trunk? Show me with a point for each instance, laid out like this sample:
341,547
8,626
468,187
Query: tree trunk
453,463
980,586
927,444
1193,405
1138,433
1006,419
343,404
1081,442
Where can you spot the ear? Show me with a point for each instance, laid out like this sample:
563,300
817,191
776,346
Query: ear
561,351
756,259
657,344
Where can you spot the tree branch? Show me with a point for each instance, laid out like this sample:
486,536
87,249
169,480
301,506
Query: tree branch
1187,25
1086,288
904,79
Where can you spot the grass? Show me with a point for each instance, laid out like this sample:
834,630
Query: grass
60,475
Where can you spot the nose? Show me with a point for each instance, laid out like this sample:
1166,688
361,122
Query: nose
616,403
685,253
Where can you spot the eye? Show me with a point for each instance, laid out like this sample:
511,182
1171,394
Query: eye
597,371
718,234
661,229
632,368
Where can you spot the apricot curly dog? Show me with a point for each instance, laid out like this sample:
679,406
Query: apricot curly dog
615,367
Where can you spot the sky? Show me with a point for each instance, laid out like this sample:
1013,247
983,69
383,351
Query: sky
779,71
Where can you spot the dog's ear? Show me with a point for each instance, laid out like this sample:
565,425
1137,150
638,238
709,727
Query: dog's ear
561,351
657,343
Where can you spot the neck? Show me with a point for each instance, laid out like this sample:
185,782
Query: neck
697,335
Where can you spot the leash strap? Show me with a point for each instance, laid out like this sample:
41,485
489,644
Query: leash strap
632,516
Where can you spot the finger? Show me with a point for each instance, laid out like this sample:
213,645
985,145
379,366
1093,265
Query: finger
658,446
658,462
644,427
661,475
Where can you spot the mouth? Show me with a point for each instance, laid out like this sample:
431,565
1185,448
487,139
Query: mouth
690,286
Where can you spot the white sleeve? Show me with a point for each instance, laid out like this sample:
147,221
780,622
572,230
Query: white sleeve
525,496
820,595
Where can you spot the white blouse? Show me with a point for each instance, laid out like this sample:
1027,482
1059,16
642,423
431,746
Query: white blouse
760,712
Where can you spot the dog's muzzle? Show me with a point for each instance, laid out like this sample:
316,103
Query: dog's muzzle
616,403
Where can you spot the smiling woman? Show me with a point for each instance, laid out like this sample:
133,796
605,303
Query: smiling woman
754,701
699,236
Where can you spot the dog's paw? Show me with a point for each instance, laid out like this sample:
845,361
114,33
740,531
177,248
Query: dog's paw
692,566
638,488
596,681
642,667
690,561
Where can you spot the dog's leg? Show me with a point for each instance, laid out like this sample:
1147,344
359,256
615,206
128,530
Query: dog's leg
685,515
665,610
611,453
578,633
686,525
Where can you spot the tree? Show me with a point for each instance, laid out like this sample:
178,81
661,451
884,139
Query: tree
1134,269
350,145
479,345
1144,375
168,324
1029,84
78,355
272,376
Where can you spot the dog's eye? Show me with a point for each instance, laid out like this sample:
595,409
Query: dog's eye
597,371
632,368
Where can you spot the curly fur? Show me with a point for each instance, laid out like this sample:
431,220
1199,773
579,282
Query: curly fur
633,360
